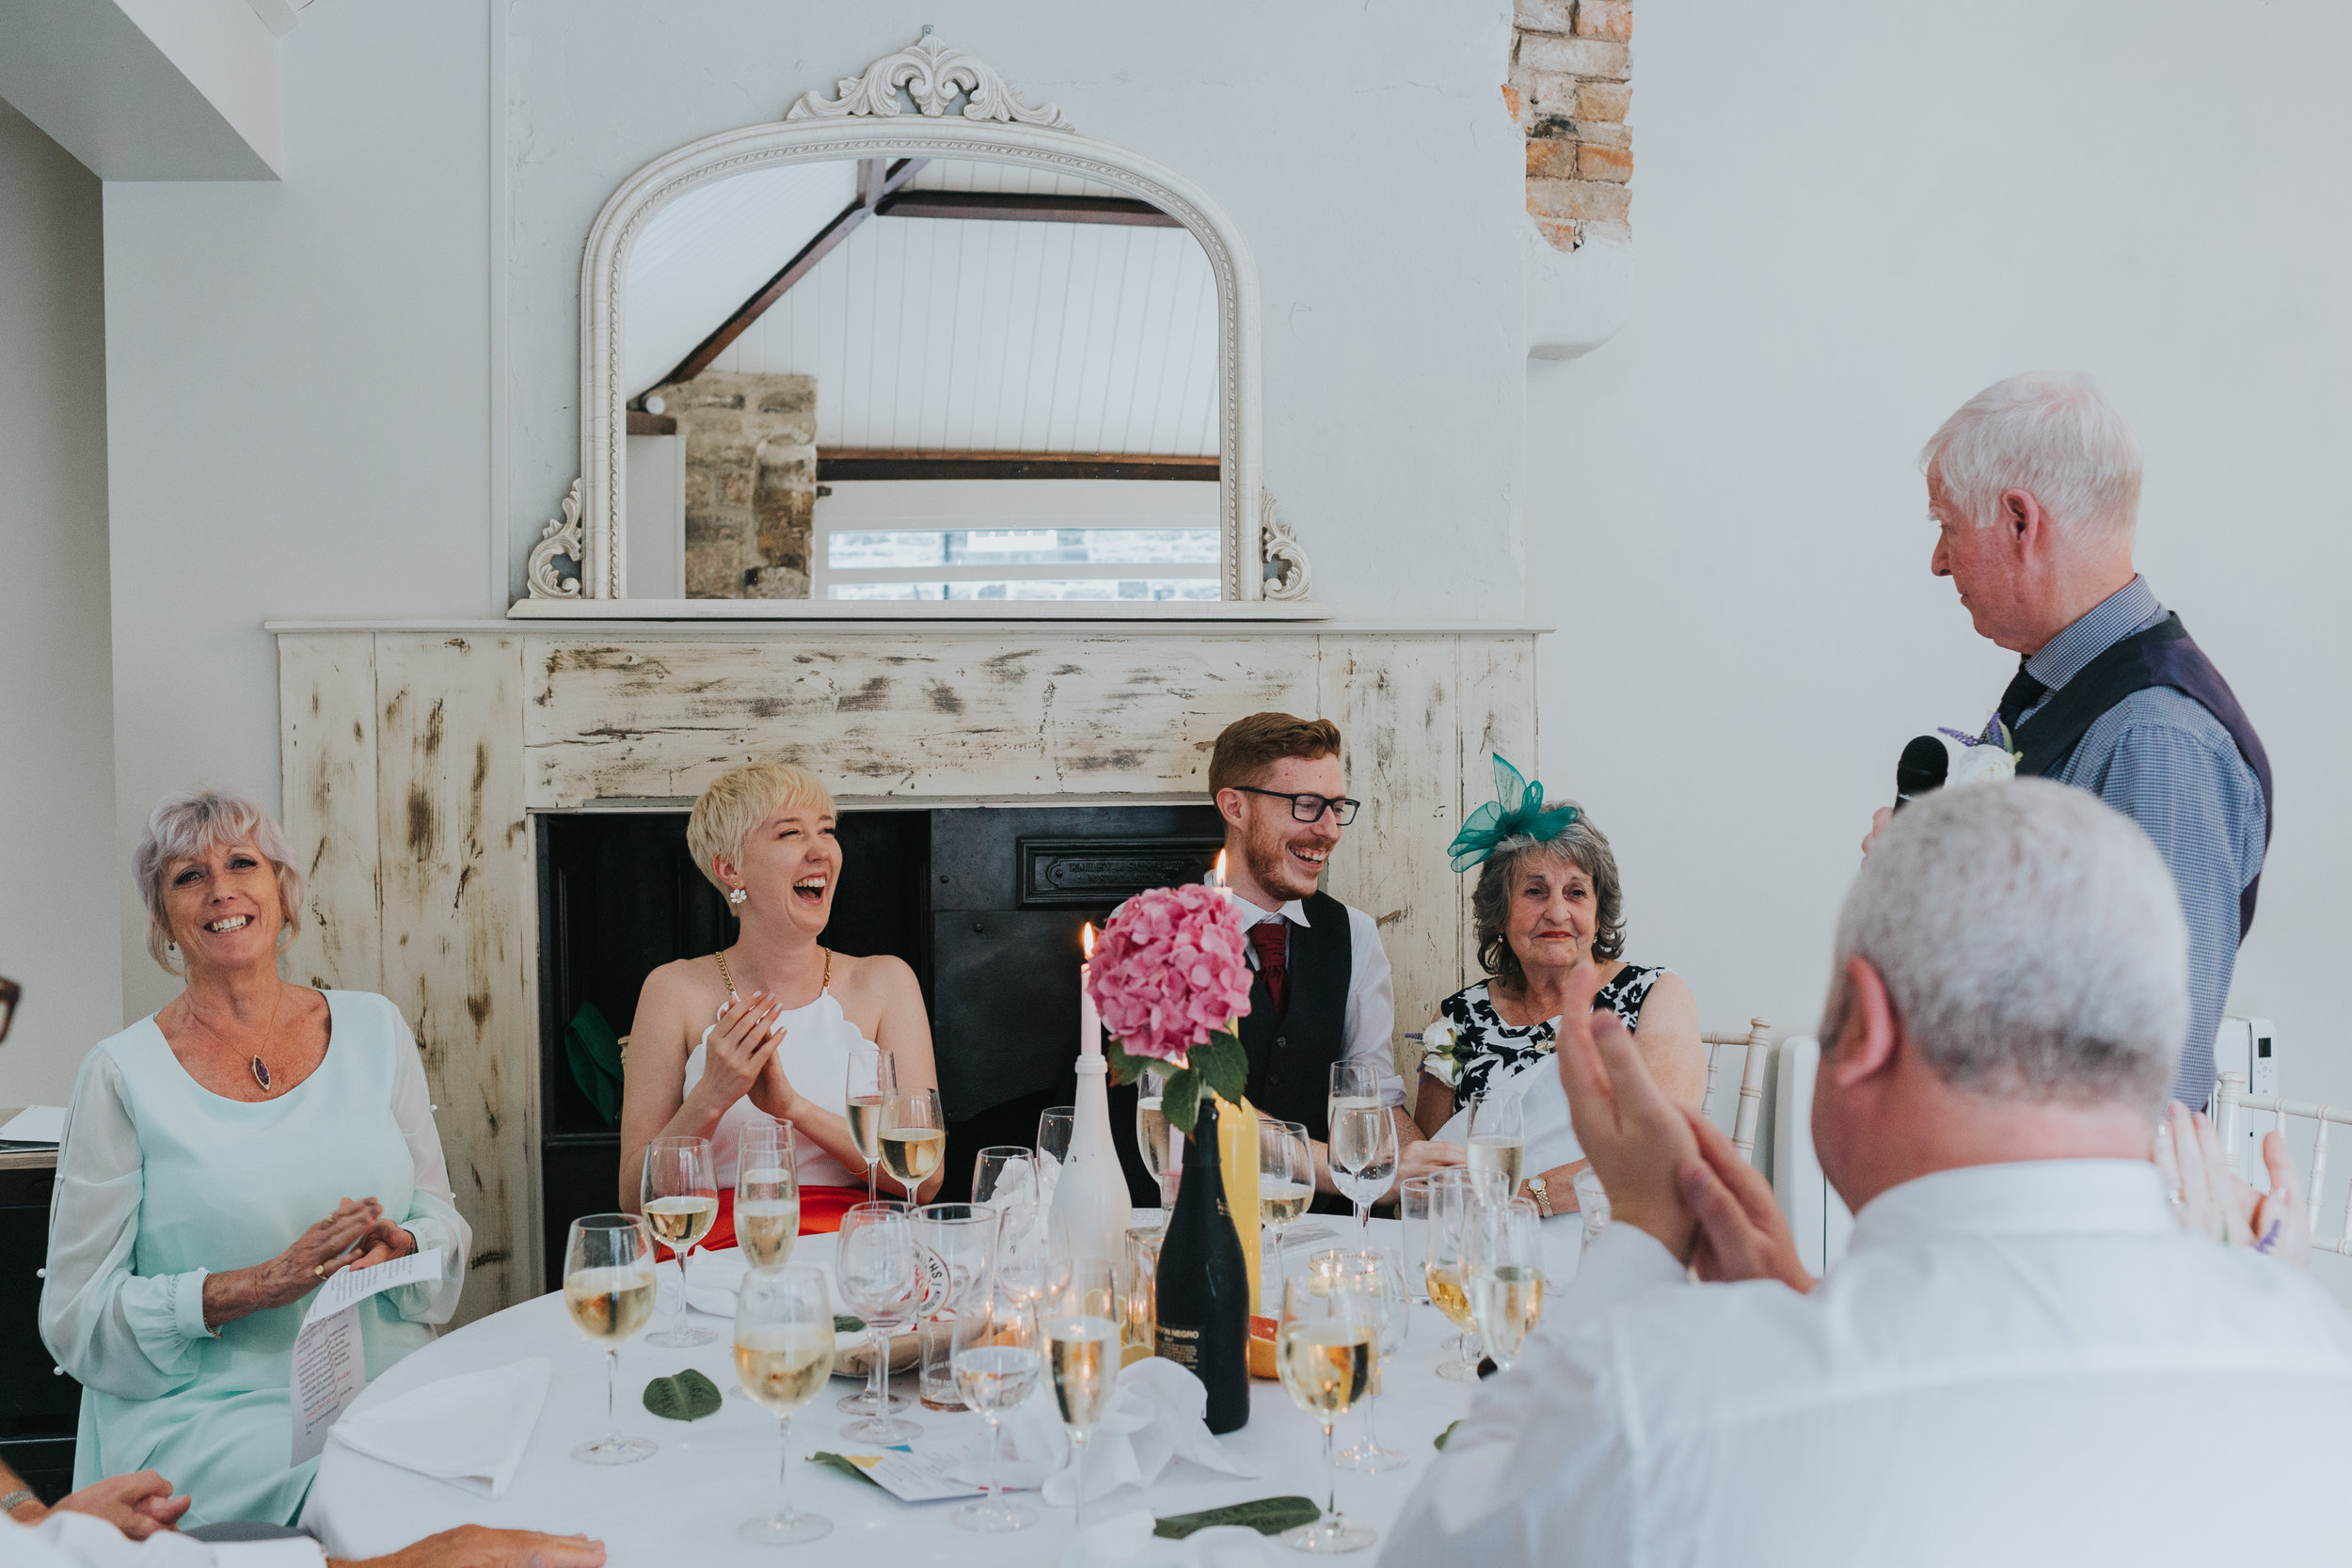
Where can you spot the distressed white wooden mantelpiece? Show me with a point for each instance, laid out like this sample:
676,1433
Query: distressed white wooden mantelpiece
413,753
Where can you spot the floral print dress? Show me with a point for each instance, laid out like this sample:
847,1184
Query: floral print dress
1470,1049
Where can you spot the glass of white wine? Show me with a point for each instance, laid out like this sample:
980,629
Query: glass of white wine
766,1194
1502,1257
1497,1143
878,1265
914,1137
1080,1324
872,1080
997,1361
783,1355
609,1292
680,1202
1329,1336
1286,1181
1386,1277
1452,1195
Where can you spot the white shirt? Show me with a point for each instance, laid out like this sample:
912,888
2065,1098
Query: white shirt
1370,1022
2027,1363
79,1541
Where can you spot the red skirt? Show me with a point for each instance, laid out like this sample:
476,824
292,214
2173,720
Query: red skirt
821,1209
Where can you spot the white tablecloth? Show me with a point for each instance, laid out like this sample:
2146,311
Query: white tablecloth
683,1504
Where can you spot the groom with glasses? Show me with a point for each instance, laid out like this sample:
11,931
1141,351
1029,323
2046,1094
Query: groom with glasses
1322,995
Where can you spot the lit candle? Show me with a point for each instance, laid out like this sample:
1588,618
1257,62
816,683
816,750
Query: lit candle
1216,877
1090,1022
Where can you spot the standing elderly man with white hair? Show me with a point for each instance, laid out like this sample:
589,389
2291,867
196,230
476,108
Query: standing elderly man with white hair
2020,1359
2034,488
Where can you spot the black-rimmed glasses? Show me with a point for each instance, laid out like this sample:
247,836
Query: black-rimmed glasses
1310,808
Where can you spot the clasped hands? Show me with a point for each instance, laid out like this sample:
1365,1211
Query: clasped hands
1666,1169
742,1058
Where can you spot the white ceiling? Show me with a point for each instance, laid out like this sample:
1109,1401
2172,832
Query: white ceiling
943,333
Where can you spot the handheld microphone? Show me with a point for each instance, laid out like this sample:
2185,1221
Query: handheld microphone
1925,763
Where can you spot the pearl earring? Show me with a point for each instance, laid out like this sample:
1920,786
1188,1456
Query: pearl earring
736,896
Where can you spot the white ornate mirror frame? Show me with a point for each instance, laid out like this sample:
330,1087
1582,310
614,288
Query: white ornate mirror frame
1260,563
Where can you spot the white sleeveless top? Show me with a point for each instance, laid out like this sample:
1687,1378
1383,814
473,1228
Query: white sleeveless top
815,1054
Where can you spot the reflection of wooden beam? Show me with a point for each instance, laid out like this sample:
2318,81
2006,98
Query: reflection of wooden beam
844,463
1022,207
873,185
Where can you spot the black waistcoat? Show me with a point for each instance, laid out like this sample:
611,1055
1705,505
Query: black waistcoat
2163,655
1291,1057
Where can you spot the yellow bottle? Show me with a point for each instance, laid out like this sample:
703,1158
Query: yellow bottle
1237,1158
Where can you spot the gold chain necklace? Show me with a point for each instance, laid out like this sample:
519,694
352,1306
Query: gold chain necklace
721,956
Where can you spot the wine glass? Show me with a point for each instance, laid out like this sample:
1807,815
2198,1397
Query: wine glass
1386,1275
914,1137
1004,1175
1363,1154
783,1355
766,1194
608,1291
1286,1179
1592,1202
872,1080
997,1363
1502,1258
1497,1143
1329,1334
879,1268
1452,1196
1413,1219
1152,1140
1056,1127
1080,1325
680,1198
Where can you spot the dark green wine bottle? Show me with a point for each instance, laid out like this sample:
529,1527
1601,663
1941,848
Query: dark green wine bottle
1202,1289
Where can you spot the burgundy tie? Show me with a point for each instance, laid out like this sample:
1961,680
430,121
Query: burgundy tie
1272,939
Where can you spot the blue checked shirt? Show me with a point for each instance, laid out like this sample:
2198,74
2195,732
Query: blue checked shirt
2162,759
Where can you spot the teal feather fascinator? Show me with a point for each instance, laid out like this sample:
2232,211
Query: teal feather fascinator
1516,809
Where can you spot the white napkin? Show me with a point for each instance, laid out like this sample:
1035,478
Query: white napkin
1126,1540
712,1279
1155,1417
470,1430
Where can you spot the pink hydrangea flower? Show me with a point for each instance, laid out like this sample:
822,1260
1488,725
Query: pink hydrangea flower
1169,970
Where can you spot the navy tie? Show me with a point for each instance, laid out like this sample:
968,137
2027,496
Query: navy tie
2023,691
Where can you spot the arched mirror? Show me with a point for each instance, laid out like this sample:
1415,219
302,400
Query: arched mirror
920,348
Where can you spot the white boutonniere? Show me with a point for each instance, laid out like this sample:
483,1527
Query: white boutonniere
1991,757
1439,1040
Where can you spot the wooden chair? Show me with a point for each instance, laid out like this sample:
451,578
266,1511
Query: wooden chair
2232,1103
1757,1042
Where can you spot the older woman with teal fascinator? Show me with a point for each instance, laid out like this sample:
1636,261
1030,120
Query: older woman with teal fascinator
1547,899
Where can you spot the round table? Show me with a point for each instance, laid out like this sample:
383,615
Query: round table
683,1504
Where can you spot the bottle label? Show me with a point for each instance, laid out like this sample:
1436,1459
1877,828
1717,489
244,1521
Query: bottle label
1180,1345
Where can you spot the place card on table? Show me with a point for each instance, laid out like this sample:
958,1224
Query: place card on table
905,1476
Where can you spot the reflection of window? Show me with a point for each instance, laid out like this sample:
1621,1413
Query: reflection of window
1111,540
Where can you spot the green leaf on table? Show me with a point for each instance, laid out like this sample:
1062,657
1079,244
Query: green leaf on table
687,1395
1267,1516
1180,1102
1439,1442
847,1467
843,1324
1223,1063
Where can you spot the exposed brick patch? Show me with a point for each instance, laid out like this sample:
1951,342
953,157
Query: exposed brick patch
1569,91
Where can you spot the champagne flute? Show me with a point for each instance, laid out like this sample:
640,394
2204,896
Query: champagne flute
1386,1277
914,1137
1502,1257
1056,1126
998,1362
879,1268
1286,1179
1592,1202
1152,1140
766,1194
1080,1325
608,1291
783,1355
680,1198
1497,1143
872,1080
1413,1217
1330,1333
1452,1196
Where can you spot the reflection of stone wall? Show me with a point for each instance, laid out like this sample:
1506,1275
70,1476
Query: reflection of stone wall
751,482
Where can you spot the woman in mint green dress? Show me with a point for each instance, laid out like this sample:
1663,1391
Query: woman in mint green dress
223,1158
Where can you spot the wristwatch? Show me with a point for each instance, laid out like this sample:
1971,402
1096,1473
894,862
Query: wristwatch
1541,1193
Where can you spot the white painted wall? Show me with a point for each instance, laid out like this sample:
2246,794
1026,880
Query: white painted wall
1849,217
58,868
